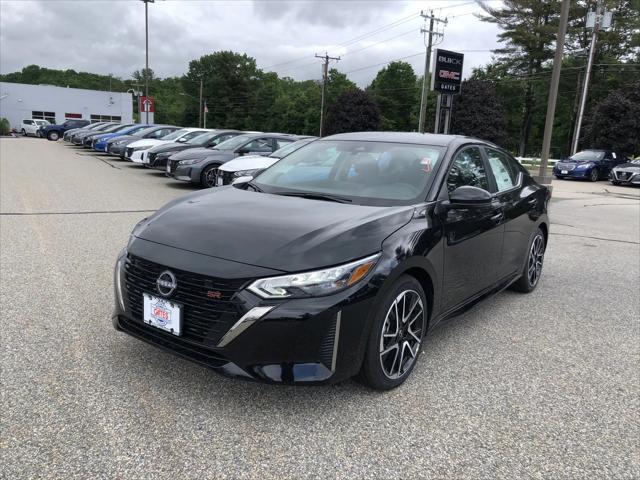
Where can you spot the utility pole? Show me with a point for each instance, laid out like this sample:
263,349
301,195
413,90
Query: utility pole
601,19
325,75
146,43
200,106
543,176
206,110
425,86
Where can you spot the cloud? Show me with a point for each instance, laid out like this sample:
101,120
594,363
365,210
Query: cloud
108,36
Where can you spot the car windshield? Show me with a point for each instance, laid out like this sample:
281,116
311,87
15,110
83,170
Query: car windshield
145,131
234,142
202,138
176,134
587,156
42,122
365,172
292,147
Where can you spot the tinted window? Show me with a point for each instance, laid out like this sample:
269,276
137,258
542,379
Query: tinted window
28,122
504,174
468,169
588,155
258,145
375,173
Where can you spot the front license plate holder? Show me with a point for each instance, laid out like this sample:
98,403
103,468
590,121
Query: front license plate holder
163,314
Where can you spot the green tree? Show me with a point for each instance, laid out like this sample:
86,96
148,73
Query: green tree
478,112
615,123
353,111
394,90
528,32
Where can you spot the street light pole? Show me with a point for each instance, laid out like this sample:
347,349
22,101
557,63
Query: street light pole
543,176
146,44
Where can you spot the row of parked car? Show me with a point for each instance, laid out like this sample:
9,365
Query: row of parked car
208,157
594,165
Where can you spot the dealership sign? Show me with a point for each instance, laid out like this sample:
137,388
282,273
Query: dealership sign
447,74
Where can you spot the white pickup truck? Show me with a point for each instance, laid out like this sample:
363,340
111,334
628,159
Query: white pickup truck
32,126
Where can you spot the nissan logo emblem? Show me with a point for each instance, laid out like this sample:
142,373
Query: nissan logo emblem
166,283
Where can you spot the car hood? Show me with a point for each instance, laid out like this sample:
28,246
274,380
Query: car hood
272,231
127,138
170,147
198,152
628,167
252,162
147,142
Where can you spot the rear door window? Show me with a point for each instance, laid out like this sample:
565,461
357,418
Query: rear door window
505,175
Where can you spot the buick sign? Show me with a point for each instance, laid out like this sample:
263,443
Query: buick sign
447,74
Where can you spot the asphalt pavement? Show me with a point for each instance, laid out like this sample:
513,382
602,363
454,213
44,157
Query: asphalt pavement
545,385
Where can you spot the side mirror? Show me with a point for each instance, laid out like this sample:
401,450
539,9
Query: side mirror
181,140
242,180
469,196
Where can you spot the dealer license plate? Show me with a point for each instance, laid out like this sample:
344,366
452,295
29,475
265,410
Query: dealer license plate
564,172
219,180
163,314
168,168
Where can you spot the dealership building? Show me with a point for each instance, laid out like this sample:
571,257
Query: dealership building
19,101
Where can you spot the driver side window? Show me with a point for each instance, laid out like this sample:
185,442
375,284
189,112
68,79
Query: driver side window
468,169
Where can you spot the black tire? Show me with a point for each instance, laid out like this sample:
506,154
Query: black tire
53,136
23,132
594,176
38,134
378,366
559,177
208,176
613,182
535,260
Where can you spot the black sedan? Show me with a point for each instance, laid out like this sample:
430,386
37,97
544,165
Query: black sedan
200,165
159,154
118,145
336,260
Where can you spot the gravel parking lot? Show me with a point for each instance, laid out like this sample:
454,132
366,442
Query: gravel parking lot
544,385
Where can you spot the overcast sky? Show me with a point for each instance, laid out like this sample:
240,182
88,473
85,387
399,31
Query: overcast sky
283,36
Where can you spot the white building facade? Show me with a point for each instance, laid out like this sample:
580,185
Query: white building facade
19,101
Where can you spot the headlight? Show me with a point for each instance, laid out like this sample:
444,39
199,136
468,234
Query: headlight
135,149
119,142
582,166
245,173
190,162
316,283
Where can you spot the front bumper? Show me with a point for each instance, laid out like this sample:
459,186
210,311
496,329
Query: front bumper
185,173
136,156
299,341
114,149
579,173
625,177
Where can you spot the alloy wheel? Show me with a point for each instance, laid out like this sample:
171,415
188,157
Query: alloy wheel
210,177
594,175
536,257
402,333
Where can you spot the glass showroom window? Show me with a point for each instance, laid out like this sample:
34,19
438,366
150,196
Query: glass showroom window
50,116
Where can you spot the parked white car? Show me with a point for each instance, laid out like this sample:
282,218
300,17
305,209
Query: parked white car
32,126
137,151
251,165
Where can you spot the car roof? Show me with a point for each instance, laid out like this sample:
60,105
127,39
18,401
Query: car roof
406,137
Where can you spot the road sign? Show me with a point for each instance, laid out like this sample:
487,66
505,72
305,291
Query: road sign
447,74
147,104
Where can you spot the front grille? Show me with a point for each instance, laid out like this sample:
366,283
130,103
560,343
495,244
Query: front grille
129,152
151,157
173,343
204,320
566,166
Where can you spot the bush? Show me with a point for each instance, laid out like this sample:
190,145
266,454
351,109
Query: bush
5,127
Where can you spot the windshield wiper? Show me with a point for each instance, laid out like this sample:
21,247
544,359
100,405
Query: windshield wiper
255,187
316,196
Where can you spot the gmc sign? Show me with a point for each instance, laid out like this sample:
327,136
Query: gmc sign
447,74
